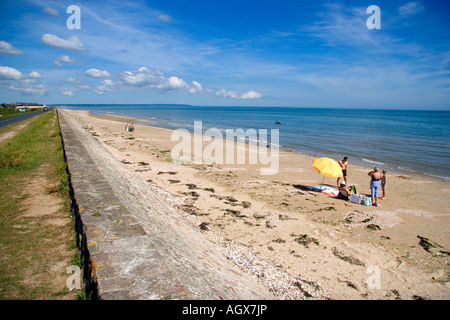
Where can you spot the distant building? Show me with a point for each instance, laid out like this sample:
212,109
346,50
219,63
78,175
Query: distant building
28,105
23,106
9,105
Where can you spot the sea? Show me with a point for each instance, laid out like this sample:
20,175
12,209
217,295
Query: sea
405,141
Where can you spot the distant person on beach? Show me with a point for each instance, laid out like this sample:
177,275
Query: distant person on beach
344,192
343,163
131,127
374,185
126,127
383,183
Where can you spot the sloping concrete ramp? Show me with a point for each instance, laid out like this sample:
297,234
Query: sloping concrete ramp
139,246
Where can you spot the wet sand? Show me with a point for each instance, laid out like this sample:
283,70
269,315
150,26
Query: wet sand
399,250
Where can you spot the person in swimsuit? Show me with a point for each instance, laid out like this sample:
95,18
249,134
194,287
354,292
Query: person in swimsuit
374,185
383,183
343,163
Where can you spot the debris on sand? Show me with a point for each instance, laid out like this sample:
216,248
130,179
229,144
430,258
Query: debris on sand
427,243
203,226
373,227
246,204
305,240
348,259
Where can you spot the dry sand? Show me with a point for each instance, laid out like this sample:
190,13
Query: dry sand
346,250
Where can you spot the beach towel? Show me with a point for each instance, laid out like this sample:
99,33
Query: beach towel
319,188
314,188
329,191
325,190
352,189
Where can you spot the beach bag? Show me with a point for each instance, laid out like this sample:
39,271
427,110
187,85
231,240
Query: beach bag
352,189
367,201
356,198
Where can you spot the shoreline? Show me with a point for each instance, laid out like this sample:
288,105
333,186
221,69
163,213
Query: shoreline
362,162
330,242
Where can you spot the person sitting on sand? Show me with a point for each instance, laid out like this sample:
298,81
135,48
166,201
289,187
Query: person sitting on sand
383,183
343,163
374,185
344,192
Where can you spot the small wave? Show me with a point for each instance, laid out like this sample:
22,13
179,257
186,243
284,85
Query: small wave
444,178
374,162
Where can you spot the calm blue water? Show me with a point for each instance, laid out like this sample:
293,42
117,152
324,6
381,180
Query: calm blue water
411,141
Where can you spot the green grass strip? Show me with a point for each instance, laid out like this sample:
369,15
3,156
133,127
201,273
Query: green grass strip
21,239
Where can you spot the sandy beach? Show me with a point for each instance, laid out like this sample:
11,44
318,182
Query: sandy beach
343,250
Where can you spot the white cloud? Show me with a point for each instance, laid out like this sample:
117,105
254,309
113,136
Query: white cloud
73,80
144,77
31,90
68,93
172,83
95,73
165,17
251,95
34,75
72,43
7,48
343,27
195,88
410,9
84,87
106,86
7,73
66,59
51,11
232,94
340,25
226,94
63,58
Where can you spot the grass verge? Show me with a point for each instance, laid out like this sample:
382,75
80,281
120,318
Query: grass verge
37,234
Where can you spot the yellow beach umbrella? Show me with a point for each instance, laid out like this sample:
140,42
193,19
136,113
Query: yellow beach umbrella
327,167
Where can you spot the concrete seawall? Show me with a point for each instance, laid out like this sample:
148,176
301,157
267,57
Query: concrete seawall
137,246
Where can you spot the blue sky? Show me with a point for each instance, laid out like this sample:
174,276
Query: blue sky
245,53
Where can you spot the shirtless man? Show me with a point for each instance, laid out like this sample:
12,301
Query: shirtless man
374,185
343,163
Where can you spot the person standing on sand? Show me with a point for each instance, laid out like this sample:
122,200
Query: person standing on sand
383,183
374,185
343,163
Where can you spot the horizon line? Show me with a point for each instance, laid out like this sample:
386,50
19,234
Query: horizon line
254,106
